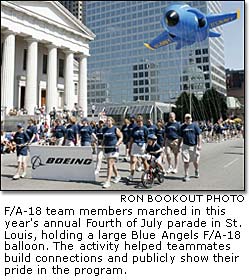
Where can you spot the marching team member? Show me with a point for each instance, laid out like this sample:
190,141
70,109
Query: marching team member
31,130
153,148
172,136
59,132
137,146
151,127
21,139
99,135
125,133
72,135
191,137
160,133
112,138
86,132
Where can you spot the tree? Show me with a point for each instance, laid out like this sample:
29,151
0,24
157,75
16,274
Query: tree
183,106
214,104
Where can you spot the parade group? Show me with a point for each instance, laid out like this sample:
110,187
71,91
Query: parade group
142,138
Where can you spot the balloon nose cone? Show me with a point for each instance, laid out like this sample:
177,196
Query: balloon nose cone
172,18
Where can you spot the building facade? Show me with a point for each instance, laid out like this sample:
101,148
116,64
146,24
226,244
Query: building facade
44,56
77,8
130,71
236,87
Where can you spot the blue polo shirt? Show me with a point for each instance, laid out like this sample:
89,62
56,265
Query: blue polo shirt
140,135
152,129
190,133
85,133
99,134
172,130
125,132
110,139
31,130
153,148
59,131
21,138
160,136
71,132
131,126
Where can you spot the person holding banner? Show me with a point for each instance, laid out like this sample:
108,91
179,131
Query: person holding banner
58,133
21,139
112,138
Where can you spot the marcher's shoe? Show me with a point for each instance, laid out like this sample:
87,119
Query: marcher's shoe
16,177
130,178
139,169
117,179
174,171
196,174
170,169
106,185
186,179
23,175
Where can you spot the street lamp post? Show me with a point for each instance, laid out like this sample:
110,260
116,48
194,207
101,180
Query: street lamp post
190,96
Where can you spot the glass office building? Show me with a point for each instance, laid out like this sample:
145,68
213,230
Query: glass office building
121,69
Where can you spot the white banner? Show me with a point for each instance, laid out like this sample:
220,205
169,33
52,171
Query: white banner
62,163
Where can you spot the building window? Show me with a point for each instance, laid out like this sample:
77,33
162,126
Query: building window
146,74
135,83
135,67
135,90
141,90
205,51
207,85
135,98
205,59
76,88
135,75
61,68
198,60
141,82
207,76
24,59
198,52
206,68
146,97
141,67
140,74
45,60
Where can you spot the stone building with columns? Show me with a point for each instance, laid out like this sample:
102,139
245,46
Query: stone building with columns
44,56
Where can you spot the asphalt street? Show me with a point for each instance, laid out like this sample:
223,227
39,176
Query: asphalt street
221,168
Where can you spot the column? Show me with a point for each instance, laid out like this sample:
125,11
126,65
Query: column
69,80
82,94
51,95
8,72
31,77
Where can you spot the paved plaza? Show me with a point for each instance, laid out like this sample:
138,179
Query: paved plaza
221,168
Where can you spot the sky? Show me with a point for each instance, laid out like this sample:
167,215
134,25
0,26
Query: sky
234,36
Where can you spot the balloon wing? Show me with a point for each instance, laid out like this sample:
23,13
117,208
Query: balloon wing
162,40
217,20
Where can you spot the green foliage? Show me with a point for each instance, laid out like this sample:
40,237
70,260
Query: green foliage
212,106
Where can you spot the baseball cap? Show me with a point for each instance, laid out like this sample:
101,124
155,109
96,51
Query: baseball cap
152,137
19,125
85,120
188,116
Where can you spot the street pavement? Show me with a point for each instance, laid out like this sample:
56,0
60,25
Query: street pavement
221,168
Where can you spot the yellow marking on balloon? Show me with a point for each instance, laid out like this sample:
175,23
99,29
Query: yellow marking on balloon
148,46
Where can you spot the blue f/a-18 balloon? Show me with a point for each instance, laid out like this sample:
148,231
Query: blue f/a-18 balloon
186,25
